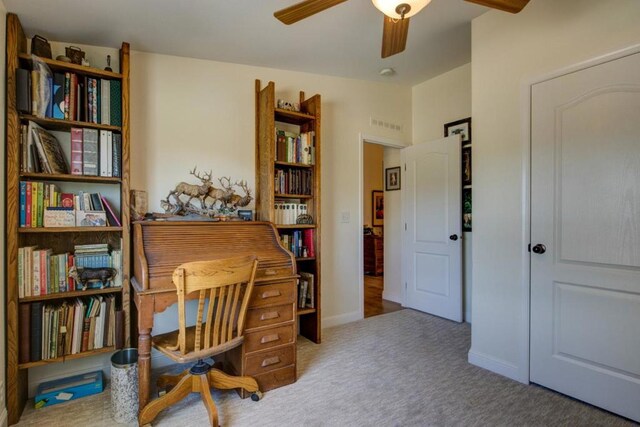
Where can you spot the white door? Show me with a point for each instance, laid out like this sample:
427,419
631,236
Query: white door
585,210
432,246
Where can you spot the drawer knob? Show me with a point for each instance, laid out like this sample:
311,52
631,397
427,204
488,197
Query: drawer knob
270,272
269,338
270,361
270,315
270,294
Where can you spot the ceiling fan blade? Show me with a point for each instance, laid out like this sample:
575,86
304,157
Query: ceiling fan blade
513,6
305,9
394,36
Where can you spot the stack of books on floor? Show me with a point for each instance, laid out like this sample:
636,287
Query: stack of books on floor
57,329
306,290
295,148
93,152
293,181
68,96
44,205
40,272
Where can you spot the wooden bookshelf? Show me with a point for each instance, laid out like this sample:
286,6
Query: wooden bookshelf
308,120
60,240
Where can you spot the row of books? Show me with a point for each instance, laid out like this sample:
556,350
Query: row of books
293,181
41,272
93,152
306,290
52,330
300,242
296,148
44,205
287,213
68,96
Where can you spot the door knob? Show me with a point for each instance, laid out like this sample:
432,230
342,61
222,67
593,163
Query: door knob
453,237
539,249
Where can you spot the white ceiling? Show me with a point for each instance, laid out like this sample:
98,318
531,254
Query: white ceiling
342,41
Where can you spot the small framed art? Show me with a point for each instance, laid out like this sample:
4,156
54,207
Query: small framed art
377,207
462,127
392,178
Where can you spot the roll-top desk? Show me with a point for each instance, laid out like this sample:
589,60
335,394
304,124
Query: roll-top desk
269,349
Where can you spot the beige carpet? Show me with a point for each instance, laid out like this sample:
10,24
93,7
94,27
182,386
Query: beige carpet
399,369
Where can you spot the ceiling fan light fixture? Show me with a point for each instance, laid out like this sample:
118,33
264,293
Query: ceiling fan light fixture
399,9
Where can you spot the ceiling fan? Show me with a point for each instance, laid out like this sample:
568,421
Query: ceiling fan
396,16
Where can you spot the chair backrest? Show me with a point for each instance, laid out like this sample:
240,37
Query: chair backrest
227,284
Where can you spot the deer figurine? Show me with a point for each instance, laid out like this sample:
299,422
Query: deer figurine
223,195
237,201
193,190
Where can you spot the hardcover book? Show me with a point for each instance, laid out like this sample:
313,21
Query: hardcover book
76,151
90,151
51,151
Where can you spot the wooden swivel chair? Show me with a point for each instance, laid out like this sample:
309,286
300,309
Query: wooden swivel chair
227,284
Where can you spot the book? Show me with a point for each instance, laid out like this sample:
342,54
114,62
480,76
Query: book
24,316
116,154
23,90
58,96
35,92
109,153
309,241
105,103
76,151
104,153
112,218
115,115
36,332
90,151
51,152
310,291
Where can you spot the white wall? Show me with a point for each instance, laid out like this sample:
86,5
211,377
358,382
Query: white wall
506,51
443,99
3,37
392,233
373,178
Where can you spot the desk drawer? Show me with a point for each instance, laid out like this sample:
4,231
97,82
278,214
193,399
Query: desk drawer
268,338
276,378
265,316
273,272
269,360
273,294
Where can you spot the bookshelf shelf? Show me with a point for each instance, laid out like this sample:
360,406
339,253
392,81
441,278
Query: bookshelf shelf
292,165
73,68
292,196
269,161
67,357
57,241
71,178
24,230
66,125
74,294
293,117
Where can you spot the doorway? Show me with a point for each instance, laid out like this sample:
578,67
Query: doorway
380,238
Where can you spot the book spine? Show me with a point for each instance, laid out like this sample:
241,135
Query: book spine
76,151
34,204
36,332
116,153
115,115
23,203
21,274
96,115
62,272
40,212
24,314
71,280
35,79
67,94
44,278
36,272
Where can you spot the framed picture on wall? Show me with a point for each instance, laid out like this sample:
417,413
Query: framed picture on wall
392,178
467,208
377,207
461,127
466,166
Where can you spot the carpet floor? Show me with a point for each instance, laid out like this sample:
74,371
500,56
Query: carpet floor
399,369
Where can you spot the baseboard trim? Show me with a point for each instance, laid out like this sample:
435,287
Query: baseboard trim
340,319
493,364
3,417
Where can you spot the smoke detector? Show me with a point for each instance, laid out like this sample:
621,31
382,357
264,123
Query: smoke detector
387,72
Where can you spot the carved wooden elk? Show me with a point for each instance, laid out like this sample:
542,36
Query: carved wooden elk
237,201
223,195
193,190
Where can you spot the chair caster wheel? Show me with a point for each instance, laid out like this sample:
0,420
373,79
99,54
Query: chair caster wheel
256,396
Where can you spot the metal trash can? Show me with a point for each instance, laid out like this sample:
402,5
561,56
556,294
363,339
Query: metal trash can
124,385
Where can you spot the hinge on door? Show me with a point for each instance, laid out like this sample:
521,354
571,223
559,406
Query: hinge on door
405,226
405,167
529,248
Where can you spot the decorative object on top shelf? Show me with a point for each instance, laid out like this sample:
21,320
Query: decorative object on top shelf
40,47
304,219
84,276
63,58
392,178
461,127
377,207
75,54
223,202
286,105
108,67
